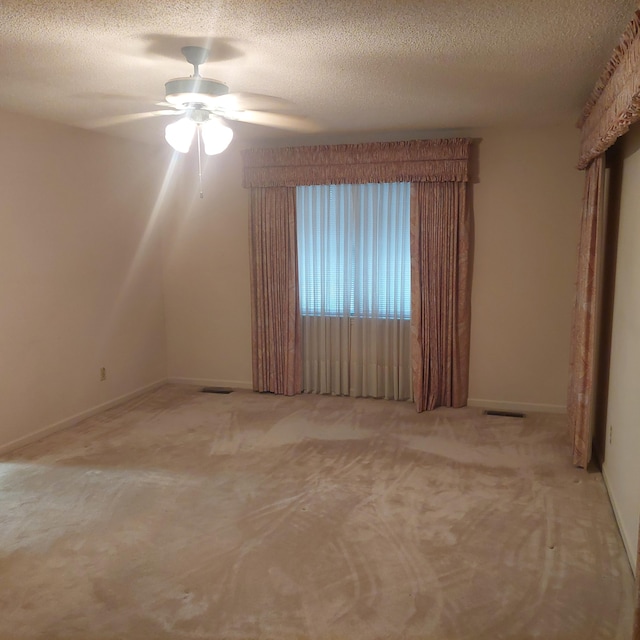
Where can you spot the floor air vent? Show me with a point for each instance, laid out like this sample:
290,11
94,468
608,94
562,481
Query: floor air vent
216,390
505,414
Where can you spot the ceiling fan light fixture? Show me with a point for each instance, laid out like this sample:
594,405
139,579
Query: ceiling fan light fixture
216,136
180,134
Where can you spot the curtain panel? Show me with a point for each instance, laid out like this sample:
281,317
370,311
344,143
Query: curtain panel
275,307
359,357
440,294
440,162
580,404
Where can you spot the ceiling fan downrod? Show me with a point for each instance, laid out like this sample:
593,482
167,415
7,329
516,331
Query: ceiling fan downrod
194,90
195,56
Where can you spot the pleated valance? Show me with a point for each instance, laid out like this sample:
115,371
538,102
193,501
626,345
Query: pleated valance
614,104
445,160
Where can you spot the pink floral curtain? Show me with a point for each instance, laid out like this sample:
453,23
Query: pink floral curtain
275,307
440,291
580,403
437,169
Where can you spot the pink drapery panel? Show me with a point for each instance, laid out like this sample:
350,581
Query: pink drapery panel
440,294
275,306
585,315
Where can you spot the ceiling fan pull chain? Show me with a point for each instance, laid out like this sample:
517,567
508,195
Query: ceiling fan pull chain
199,134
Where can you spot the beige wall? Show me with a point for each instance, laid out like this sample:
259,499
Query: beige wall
621,465
207,275
527,209
527,206
80,273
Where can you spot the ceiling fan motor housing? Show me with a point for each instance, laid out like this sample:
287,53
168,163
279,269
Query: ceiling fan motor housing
184,92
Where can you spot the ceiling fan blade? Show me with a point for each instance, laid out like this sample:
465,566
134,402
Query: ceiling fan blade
112,121
278,120
246,100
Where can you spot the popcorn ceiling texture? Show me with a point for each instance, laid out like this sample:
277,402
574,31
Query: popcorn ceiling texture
357,66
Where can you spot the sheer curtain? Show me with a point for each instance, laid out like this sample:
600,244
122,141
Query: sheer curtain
354,273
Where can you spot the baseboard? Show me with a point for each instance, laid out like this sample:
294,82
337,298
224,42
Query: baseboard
78,417
501,405
472,402
632,554
208,382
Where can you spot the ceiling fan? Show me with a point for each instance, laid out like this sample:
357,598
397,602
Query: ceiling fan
206,105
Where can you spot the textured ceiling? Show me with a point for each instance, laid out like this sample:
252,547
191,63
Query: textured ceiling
358,65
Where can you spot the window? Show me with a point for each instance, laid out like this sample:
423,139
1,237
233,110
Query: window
353,250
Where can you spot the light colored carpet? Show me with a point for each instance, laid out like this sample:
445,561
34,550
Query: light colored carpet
184,515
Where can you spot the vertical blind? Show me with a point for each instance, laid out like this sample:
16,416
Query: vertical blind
353,249
354,269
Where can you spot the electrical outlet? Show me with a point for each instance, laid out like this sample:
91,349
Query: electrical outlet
103,374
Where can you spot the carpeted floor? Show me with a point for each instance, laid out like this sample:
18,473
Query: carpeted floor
185,515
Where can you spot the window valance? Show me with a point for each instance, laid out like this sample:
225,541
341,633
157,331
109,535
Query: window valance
444,160
614,104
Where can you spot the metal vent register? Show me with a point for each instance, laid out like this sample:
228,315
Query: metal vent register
505,414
